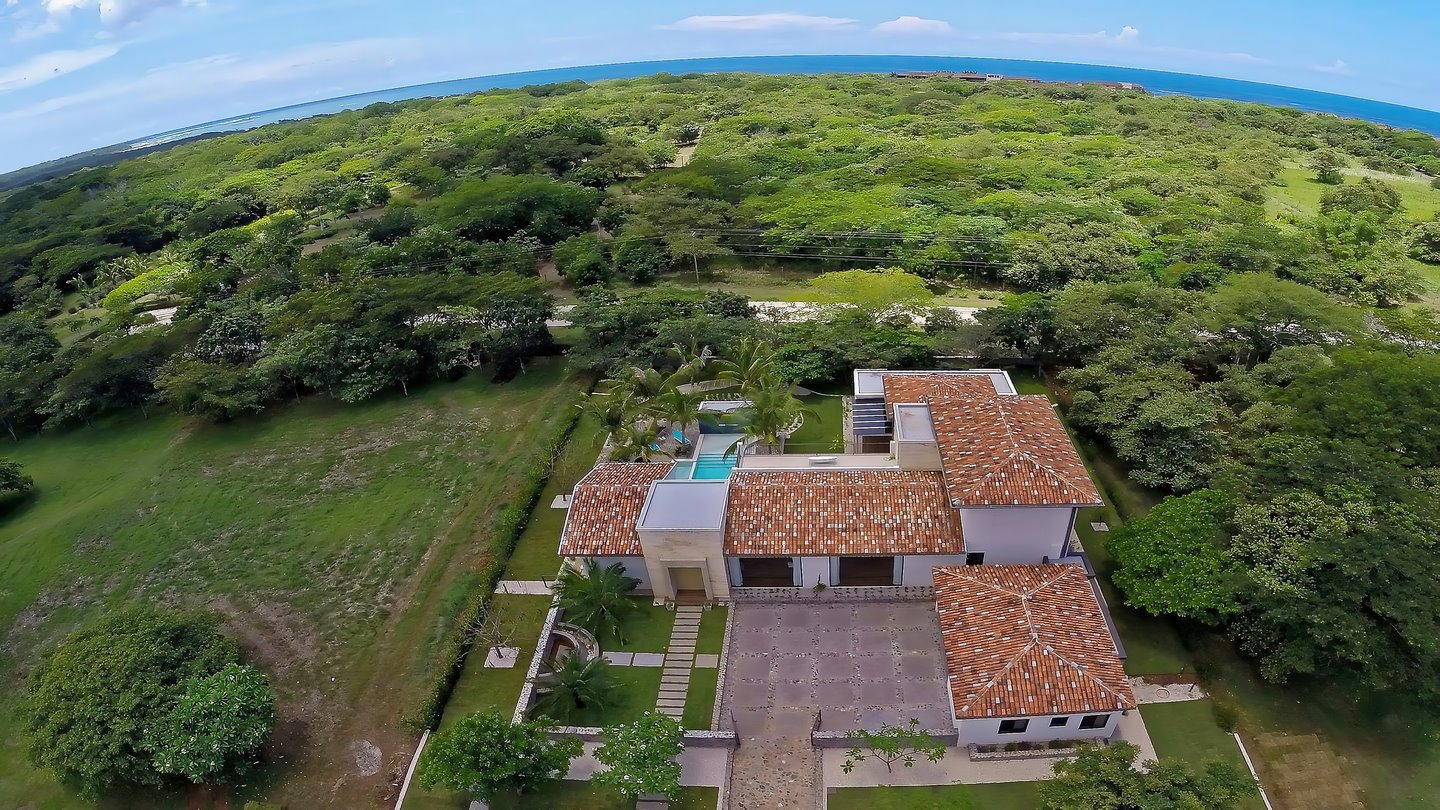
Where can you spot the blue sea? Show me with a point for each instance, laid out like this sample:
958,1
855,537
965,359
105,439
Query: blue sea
1155,81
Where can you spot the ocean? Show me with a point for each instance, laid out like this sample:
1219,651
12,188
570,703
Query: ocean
1155,81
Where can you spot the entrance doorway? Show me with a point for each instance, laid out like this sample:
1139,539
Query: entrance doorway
767,572
689,584
861,571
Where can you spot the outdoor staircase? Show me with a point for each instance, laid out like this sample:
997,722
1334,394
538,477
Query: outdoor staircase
679,659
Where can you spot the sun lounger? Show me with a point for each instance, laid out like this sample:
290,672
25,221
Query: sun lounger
679,437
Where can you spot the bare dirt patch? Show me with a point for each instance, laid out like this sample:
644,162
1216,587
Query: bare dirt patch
1307,774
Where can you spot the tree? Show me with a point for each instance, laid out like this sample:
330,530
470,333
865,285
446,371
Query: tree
770,413
643,756
572,686
597,600
216,727
892,744
91,701
750,366
581,260
486,756
1365,197
13,480
1172,560
874,292
1105,778
1327,164
219,391
1425,242
680,408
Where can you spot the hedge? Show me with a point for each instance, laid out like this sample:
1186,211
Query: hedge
159,280
472,611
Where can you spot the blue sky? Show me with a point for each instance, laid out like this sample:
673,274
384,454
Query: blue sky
77,74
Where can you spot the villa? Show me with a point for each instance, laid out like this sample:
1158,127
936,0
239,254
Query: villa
953,487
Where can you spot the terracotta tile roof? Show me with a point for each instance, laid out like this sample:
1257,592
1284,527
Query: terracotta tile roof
997,449
605,507
813,512
1026,640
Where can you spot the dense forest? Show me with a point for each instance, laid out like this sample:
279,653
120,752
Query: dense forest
1274,369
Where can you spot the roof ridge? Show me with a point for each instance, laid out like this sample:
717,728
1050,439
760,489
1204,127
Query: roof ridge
1004,671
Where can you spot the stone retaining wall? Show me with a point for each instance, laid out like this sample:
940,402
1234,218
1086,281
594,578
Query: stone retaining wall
875,593
693,739
842,739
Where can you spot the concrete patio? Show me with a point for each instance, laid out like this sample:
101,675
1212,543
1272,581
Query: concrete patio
858,664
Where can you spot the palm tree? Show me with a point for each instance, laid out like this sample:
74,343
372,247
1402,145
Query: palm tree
639,384
696,363
612,412
680,408
597,600
751,366
637,442
772,411
573,685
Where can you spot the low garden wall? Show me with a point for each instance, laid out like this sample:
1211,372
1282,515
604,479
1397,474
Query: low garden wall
842,739
838,593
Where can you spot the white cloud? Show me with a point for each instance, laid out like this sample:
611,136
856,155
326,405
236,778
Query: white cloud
1338,66
779,21
43,67
1127,41
113,13
913,25
228,74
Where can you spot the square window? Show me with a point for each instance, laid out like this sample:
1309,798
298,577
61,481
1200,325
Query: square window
1013,726
1057,722
975,558
1094,720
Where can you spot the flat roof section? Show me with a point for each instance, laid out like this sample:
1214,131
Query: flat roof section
685,505
913,423
870,382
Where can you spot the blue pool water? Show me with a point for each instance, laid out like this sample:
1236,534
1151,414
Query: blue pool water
714,466
1155,81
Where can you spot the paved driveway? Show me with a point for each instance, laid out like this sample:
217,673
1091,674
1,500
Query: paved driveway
861,664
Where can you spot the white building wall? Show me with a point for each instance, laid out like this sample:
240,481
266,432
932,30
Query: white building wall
688,548
634,566
1017,534
920,569
986,730
813,569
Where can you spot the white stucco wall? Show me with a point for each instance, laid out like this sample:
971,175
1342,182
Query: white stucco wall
667,548
813,568
986,731
1017,534
919,569
634,566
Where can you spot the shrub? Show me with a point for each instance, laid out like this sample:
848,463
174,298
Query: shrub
159,280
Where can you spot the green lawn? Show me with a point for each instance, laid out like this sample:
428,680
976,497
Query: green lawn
647,629
535,555
483,689
1298,193
821,433
336,539
562,795
711,637
637,690
1189,731
1003,796
700,700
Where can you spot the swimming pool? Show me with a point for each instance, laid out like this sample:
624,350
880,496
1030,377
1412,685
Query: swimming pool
711,461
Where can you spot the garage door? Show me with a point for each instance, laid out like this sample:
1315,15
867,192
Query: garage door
767,572
855,571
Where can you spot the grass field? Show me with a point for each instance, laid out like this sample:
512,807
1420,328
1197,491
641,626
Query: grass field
1003,796
335,539
1189,731
536,554
820,433
1298,192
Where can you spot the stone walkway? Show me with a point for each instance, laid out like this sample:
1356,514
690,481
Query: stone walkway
527,587
679,658
775,767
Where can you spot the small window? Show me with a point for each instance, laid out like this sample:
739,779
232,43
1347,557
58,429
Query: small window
1094,720
1013,726
1057,722
975,558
